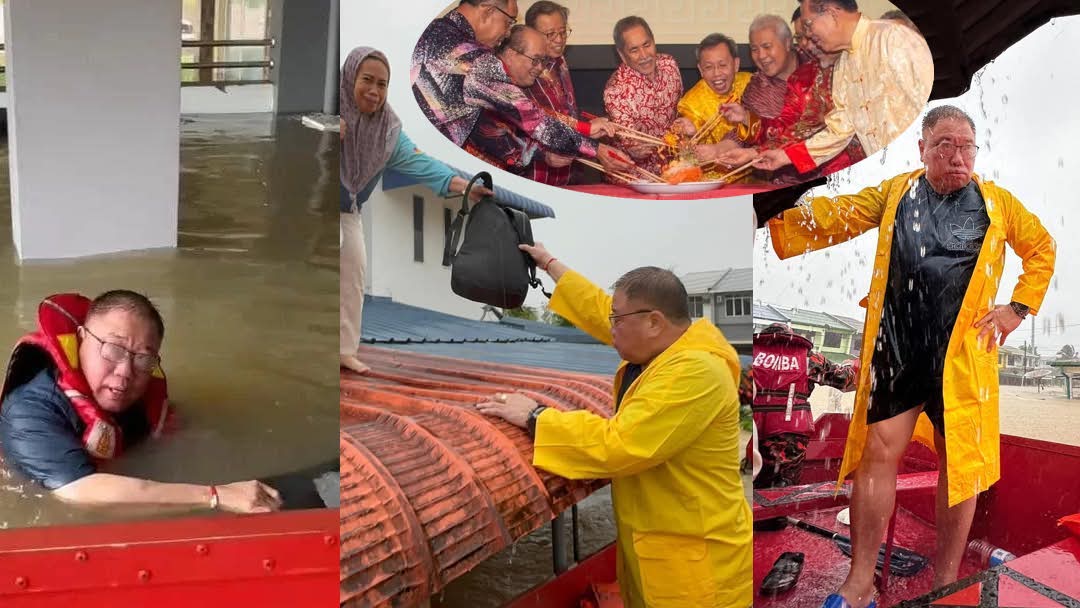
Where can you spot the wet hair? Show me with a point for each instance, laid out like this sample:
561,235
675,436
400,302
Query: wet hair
797,14
900,17
629,23
545,7
658,289
514,40
849,6
714,40
940,113
129,302
782,29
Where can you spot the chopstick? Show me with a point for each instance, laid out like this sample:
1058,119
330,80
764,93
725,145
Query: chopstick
627,132
651,175
739,170
600,168
706,128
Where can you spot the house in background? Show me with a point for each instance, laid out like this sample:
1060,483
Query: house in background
838,338
726,298
405,230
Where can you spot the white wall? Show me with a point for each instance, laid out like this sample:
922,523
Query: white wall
388,233
240,99
93,125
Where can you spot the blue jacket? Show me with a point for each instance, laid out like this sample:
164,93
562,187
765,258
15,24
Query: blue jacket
412,162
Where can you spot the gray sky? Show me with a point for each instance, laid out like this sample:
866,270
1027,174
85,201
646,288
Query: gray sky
600,236
1027,129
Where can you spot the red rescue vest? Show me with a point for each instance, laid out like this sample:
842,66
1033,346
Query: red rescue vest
781,383
56,344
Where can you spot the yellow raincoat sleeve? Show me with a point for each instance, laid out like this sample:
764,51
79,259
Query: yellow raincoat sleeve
827,221
655,422
1037,250
585,305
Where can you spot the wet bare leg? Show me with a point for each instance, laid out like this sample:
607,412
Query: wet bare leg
872,500
353,363
953,524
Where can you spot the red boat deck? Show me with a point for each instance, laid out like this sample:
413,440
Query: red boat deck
1039,485
430,487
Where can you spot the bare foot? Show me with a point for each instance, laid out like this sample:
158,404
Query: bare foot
350,362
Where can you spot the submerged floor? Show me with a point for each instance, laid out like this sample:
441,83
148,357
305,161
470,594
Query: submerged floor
250,306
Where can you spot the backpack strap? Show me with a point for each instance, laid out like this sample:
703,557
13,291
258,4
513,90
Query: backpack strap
454,237
520,221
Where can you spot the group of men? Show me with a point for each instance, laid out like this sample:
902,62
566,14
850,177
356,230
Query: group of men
828,90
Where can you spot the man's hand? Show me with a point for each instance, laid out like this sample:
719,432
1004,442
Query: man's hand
248,497
771,160
997,324
737,157
640,151
556,160
511,407
705,152
539,254
734,113
613,159
458,184
602,127
683,125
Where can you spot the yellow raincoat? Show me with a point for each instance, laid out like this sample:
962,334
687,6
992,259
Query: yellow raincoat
672,453
971,374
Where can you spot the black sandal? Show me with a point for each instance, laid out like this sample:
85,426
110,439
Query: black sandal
784,574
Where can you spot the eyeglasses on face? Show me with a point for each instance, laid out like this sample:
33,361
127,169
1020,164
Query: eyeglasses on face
613,318
114,353
946,149
536,61
562,34
511,19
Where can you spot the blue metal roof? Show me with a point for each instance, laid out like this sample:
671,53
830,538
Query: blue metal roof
389,322
392,179
585,358
555,332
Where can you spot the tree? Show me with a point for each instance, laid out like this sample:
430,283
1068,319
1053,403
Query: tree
552,318
1067,352
523,312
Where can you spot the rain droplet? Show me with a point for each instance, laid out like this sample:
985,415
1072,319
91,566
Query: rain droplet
922,251
916,226
1004,100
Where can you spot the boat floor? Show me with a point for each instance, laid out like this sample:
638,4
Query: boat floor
1049,577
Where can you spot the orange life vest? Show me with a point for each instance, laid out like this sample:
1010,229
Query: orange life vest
56,344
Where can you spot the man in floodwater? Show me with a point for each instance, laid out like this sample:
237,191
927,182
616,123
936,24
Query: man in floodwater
931,330
88,384
672,448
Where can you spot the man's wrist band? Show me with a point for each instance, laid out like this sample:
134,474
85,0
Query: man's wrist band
215,500
548,265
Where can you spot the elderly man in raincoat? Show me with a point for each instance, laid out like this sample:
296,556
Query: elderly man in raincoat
671,449
931,330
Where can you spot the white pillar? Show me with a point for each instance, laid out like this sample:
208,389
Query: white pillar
93,125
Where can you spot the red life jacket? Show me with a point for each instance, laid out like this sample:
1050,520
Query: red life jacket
782,386
56,344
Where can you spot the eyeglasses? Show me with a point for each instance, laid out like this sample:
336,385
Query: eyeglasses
512,18
612,318
536,61
114,353
947,149
559,34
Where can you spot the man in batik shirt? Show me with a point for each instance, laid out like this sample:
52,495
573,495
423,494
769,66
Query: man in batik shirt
644,90
456,76
513,127
881,82
721,82
808,100
553,91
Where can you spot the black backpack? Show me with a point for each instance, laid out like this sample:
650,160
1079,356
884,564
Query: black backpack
489,267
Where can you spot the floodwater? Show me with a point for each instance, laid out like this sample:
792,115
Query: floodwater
250,306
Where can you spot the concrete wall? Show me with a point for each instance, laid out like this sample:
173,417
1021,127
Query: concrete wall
678,21
302,29
92,125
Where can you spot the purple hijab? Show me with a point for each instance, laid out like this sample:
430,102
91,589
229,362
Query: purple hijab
369,139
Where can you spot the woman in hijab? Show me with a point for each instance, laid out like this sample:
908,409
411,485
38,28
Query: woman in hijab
372,141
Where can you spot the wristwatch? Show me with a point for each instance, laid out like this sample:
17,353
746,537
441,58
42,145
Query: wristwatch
533,415
1021,310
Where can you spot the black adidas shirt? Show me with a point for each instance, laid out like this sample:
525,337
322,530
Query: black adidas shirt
936,243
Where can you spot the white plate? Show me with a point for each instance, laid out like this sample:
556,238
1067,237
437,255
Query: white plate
683,188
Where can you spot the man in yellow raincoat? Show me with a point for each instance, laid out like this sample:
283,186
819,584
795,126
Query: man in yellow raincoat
672,448
930,333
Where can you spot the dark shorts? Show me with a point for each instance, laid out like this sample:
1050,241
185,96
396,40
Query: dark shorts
892,398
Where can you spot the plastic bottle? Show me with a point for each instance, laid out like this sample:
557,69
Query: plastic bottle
988,555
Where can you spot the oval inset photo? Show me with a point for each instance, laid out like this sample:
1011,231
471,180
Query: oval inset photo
677,100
